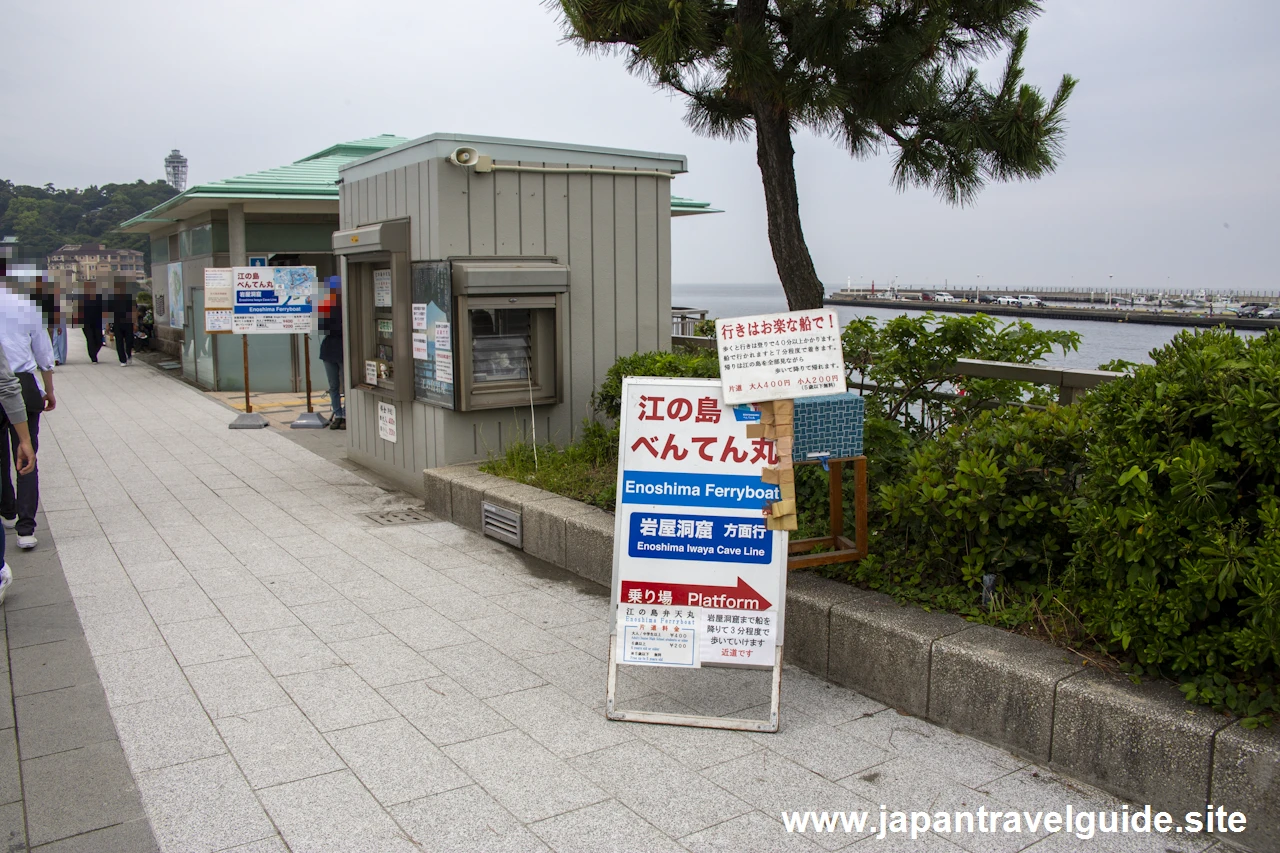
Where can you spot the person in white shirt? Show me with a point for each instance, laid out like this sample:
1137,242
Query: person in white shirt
26,343
15,412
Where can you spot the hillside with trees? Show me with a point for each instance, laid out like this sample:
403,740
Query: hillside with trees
45,218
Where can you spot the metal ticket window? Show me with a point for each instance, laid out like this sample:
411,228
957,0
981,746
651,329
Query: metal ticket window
377,319
510,351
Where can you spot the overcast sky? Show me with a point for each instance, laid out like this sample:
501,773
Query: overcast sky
1171,175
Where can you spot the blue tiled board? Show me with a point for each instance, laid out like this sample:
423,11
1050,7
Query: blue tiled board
830,425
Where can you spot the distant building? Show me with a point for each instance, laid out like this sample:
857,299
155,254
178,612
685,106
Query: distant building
175,170
80,262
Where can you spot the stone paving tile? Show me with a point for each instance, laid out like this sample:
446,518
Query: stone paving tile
164,574
77,791
126,631
607,827
541,610
59,720
131,837
286,651
337,621
489,828
519,639
395,762
828,751
382,660
334,812
559,722
267,845
300,588
256,610
202,806
753,831
277,745
336,698
140,676
505,763
483,670
669,795
443,711
164,732
424,629
238,686
203,640
179,604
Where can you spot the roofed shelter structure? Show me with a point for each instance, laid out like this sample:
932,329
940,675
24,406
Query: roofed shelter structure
278,217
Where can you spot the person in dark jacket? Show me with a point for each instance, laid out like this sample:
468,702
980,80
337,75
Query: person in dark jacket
91,309
121,306
331,350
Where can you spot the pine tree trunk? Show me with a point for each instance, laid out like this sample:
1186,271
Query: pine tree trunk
776,157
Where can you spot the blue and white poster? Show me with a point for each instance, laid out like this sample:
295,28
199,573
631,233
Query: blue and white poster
269,300
697,578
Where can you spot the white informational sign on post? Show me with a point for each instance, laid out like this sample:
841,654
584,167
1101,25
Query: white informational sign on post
217,320
780,356
272,300
387,421
382,288
697,578
218,289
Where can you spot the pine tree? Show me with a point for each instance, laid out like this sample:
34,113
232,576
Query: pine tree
874,75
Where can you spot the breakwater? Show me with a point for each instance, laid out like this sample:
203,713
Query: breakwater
1097,315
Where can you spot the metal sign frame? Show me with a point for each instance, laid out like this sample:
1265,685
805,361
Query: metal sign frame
612,711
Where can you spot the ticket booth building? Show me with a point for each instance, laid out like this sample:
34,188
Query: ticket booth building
489,285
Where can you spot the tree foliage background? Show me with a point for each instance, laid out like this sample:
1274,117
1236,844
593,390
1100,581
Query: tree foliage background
45,218
873,75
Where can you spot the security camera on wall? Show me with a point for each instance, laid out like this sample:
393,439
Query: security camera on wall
470,158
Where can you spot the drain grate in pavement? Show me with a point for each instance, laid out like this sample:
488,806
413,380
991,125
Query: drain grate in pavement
398,516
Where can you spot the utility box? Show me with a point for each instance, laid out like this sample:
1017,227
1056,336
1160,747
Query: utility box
489,284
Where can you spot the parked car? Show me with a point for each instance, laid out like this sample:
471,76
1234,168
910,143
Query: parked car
1007,300
943,296
986,299
1269,314
1026,300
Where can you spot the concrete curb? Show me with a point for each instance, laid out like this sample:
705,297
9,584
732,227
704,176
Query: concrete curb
1140,742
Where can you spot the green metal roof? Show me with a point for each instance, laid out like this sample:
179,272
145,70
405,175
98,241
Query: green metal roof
689,207
312,178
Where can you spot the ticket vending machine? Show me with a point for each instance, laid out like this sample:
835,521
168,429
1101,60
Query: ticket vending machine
462,333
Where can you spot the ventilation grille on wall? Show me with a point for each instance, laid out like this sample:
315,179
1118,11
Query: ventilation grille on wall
398,516
502,524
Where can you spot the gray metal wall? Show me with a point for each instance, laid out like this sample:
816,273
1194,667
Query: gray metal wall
613,232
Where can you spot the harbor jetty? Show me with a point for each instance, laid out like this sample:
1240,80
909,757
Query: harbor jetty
1113,314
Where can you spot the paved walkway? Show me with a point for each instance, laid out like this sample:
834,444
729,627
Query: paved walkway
282,674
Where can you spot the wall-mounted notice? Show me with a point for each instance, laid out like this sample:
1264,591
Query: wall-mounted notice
217,320
382,288
387,421
371,373
443,339
219,292
419,315
780,356
431,295
272,300
421,346
698,579
444,366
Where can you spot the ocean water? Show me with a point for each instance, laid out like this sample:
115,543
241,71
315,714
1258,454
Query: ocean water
1099,342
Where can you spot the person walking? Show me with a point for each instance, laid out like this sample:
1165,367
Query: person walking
26,343
331,351
91,308
121,306
48,296
13,418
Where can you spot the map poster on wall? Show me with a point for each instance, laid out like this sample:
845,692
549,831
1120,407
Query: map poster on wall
387,421
176,303
432,289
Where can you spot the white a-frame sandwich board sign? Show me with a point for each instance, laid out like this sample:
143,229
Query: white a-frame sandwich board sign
697,578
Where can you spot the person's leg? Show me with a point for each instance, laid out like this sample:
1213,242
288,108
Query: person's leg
8,497
127,334
60,343
28,485
122,337
333,370
93,342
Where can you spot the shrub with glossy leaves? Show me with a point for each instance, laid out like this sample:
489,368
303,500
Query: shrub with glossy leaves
1179,526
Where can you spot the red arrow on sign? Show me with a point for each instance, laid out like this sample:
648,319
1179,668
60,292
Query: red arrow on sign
740,597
